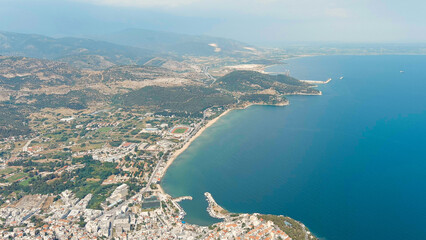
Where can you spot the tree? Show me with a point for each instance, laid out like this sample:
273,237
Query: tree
81,223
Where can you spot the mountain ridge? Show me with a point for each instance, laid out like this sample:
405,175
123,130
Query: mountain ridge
178,43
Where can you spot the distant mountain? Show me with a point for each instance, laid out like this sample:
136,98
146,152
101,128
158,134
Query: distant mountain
18,73
80,51
180,44
128,47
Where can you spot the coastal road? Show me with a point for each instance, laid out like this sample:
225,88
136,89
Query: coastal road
162,160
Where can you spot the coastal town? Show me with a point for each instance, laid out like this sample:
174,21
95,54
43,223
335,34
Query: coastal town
85,143
212,120
124,198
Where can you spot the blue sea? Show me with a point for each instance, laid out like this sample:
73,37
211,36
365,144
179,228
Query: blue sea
350,164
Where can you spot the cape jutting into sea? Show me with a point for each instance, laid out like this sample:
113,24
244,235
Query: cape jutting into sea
350,164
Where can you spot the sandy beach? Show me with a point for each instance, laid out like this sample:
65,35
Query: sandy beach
187,144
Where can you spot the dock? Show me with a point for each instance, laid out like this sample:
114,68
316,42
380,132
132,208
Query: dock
179,199
175,201
214,209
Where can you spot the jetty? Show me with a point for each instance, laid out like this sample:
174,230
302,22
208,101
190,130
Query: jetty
175,201
214,209
179,199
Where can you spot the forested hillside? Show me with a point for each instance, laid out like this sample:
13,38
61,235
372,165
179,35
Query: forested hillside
191,99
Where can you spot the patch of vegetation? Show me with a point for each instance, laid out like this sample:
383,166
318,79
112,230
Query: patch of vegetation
16,176
293,228
7,171
104,129
76,181
191,99
13,121
78,99
100,192
115,143
262,98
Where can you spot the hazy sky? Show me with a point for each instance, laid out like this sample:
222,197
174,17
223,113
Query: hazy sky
253,21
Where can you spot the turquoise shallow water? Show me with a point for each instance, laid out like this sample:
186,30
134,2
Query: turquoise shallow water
350,164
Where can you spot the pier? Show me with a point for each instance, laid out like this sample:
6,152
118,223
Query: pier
175,201
214,209
179,199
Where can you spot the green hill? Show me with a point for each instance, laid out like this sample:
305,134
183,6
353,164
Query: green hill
190,99
251,81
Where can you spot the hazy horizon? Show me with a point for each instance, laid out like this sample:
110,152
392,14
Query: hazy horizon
270,22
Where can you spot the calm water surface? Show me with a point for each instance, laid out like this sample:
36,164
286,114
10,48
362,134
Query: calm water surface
350,164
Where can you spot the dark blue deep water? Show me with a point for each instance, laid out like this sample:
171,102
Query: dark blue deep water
350,164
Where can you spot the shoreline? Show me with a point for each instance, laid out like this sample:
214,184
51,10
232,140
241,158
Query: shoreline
179,151
211,207
188,143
